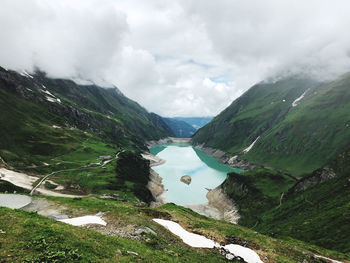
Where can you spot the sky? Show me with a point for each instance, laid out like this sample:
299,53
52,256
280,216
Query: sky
176,57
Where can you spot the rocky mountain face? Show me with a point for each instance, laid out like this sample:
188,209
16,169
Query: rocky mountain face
292,124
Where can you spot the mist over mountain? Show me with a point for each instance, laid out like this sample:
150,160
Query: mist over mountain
192,58
251,163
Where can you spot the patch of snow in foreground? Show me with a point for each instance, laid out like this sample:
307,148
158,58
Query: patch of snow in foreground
246,253
84,220
190,239
198,241
250,146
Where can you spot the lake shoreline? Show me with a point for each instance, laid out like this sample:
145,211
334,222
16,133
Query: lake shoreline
219,206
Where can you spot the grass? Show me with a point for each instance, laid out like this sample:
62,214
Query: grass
31,237
297,139
319,215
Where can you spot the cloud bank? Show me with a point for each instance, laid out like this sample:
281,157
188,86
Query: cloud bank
176,57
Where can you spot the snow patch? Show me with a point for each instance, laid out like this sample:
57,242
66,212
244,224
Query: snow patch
295,103
84,220
246,253
198,241
56,127
56,100
26,74
250,146
193,240
48,93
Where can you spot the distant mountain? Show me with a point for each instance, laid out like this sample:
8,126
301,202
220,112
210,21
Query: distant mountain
294,124
180,128
196,122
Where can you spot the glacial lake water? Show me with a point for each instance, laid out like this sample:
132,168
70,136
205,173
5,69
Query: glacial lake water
183,159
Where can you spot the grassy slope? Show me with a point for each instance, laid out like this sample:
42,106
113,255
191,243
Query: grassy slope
250,115
319,215
296,139
32,237
311,134
40,137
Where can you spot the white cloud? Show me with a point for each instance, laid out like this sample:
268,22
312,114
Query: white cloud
176,57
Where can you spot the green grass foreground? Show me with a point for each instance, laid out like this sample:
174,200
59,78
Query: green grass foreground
29,237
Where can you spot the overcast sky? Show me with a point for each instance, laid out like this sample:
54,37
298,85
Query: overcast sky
176,57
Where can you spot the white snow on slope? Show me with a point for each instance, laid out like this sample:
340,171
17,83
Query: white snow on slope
57,100
250,146
48,93
295,103
198,241
188,238
26,74
84,220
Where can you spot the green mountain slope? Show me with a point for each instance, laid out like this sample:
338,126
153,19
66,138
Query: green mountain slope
51,125
315,209
180,128
298,138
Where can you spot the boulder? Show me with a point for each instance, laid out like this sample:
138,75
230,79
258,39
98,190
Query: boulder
186,179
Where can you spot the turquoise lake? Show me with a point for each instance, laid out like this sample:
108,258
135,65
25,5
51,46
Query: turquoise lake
183,159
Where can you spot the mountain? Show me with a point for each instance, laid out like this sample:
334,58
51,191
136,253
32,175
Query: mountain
314,209
195,122
180,128
51,125
293,124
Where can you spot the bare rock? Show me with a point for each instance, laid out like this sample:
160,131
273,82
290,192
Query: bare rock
186,179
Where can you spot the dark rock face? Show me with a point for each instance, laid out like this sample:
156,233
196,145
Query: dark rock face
317,177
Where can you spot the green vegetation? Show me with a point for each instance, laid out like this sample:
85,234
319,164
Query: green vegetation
313,209
33,238
133,171
295,139
66,136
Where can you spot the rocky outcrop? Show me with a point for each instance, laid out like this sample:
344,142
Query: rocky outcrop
219,207
317,177
186,179
227,208
233,161
156,187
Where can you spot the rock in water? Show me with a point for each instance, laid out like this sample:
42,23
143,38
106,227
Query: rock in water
186,179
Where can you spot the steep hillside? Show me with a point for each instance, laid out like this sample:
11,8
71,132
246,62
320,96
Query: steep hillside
297,124
314,209
180,128
56,126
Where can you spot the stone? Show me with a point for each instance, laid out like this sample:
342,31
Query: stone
142,229
132,253
186,179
